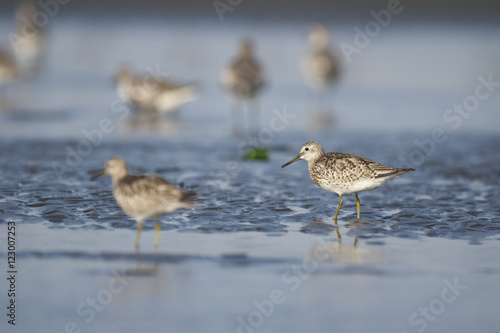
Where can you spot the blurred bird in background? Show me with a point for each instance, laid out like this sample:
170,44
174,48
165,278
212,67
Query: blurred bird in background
321,70
243,79
320,66
28,39
151,94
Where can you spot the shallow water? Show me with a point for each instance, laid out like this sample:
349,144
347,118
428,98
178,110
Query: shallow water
261,253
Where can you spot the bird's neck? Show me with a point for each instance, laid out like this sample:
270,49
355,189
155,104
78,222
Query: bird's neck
117,177
314,159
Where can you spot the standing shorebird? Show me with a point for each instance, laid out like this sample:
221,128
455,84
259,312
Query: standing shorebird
28,43
243,79
144,196
151,94
344,173
320,67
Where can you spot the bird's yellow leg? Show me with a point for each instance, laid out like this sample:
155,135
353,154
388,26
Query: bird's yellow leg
358,204
157,234
341,201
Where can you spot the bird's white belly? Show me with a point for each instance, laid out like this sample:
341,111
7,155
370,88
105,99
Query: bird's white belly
154,213
171,100
358,186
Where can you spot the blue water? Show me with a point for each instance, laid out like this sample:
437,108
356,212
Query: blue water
261,252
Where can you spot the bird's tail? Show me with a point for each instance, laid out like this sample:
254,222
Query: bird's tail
394,173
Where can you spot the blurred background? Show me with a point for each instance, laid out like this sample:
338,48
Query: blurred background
427,58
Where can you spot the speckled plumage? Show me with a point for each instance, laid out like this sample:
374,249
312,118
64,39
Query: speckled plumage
344,173
144,196
349,173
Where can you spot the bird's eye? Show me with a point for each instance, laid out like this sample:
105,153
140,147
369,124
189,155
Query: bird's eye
306,149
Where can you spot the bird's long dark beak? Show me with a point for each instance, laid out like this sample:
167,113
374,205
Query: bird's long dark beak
295,159
99,174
